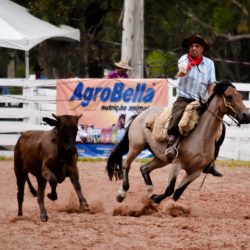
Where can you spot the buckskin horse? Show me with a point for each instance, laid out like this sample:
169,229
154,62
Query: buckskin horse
50,156
194,151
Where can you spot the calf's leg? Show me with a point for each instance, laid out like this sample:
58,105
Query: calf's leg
51,178
40,199
20,193
20,180
74,178
53,194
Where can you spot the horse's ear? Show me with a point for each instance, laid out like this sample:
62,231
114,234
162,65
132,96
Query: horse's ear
50,121
221,86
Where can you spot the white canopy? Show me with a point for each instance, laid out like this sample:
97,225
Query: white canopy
21,30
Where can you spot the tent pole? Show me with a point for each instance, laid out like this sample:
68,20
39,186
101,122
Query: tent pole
27,66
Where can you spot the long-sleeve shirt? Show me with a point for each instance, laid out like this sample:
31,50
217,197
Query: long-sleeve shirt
195,83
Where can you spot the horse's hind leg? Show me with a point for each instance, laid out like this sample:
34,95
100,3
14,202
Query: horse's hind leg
132,154
146,169
188,178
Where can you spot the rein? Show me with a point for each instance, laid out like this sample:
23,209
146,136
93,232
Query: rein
229,106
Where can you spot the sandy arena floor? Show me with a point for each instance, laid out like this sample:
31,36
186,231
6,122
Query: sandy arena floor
215,217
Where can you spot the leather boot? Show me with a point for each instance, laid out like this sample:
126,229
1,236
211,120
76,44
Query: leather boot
171,150
211,169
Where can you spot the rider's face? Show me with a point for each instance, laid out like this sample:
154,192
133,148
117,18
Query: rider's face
195,50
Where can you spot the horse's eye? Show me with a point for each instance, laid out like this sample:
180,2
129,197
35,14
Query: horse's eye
229,98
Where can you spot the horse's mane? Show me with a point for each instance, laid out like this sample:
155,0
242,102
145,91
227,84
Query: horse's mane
219,89
221,86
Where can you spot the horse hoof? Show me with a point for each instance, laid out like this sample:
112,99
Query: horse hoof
85,207
120,198
121,195
156,198
52,196
146,200
44,218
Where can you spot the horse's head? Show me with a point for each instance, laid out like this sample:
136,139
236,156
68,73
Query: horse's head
232,101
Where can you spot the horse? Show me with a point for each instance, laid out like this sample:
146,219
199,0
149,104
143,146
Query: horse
50,156
195,151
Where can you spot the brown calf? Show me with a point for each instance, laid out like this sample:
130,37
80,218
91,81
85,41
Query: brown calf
49,156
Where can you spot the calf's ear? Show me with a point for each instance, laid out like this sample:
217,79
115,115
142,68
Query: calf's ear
79,116
50,121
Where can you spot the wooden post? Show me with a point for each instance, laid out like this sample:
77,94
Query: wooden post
133,36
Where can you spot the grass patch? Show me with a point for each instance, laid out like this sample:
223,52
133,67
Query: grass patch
6,158
222,163
83,159
233,163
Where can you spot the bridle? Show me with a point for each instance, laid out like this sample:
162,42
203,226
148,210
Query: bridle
232,117
235,112
229,106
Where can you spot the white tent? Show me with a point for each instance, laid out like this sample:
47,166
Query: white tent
21,30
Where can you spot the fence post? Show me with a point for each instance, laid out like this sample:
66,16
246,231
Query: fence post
30,104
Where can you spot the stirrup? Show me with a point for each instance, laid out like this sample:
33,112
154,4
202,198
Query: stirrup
174,148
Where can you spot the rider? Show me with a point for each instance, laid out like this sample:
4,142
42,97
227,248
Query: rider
196,78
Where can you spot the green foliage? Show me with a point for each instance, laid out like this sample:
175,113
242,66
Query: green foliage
166,23
20,71
223,19
161,64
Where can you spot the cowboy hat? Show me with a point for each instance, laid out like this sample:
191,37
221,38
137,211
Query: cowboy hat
195,39
122,65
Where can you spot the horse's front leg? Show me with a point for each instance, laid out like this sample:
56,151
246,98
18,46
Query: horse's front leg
174,170
188,178
40,199
74,178
146,169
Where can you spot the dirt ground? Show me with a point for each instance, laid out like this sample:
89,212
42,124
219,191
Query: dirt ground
217,216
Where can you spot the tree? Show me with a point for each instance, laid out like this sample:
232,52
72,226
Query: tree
226,24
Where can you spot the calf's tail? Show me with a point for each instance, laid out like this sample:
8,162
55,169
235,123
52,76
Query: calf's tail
32,189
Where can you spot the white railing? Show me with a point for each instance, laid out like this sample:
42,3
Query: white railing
36,99
24,109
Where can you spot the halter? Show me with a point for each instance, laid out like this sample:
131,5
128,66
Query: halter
229,106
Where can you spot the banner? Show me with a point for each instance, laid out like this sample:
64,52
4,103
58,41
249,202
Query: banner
106,105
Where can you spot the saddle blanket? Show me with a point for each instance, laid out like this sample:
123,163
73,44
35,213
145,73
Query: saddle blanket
189,120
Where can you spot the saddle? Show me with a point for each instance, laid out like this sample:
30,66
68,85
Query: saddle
159,123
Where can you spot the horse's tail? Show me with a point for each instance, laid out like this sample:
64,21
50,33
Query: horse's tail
114,163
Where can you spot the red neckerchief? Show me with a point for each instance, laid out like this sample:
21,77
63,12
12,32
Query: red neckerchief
193,61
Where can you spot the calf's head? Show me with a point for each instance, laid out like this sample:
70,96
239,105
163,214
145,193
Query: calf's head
66,126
